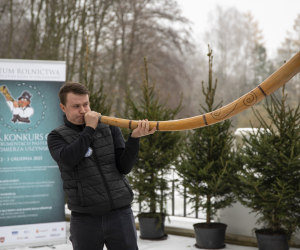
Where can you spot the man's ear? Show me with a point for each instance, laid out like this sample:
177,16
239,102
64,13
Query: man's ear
63,108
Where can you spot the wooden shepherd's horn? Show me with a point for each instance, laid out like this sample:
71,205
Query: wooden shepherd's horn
270,85
4,91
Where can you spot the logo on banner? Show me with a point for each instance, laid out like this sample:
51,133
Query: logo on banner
26,104
20,107
14,232
2,239
62,229
89,152
54,235
41,231
42,236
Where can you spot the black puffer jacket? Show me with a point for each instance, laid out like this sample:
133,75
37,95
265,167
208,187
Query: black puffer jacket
95,185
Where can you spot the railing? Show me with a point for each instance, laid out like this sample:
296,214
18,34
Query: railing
177,205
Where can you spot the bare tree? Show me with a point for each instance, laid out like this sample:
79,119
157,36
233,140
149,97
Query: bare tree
291,44
146,28
290,47
13,29
239,54
121,33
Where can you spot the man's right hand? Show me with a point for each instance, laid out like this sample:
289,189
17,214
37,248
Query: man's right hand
91,119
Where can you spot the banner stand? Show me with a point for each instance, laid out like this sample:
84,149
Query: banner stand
31,194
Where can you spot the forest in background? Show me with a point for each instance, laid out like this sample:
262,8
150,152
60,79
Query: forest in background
121,33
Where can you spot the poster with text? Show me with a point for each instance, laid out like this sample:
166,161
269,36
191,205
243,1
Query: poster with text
31,193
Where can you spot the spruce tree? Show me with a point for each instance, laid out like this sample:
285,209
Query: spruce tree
157,151
208,160
270,178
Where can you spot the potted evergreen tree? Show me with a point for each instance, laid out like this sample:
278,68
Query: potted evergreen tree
206,167
157,153
269,180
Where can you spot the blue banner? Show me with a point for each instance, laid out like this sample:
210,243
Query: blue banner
30,185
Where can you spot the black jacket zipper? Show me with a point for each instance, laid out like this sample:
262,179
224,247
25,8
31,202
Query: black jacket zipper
127,185
103,179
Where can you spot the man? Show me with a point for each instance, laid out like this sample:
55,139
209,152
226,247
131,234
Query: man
93,160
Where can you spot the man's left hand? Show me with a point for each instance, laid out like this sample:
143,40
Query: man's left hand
142,129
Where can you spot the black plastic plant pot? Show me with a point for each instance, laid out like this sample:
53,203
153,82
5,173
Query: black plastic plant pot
269,240
148,227
210,236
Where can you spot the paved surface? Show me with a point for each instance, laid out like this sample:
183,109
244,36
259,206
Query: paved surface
172,243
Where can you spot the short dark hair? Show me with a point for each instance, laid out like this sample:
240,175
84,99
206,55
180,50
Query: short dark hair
71,87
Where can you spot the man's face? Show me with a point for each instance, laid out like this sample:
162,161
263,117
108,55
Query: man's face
76,107
23,102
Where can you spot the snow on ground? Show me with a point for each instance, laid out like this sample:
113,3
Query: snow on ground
172,243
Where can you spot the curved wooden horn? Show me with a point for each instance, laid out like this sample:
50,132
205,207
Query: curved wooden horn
271,84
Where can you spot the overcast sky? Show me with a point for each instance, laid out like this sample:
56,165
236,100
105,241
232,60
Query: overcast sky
275,17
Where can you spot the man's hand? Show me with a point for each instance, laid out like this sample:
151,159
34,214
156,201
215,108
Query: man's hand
142,129
91,119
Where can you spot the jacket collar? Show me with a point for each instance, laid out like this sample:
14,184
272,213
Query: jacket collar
72,125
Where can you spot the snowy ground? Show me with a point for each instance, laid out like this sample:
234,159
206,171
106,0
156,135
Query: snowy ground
172,243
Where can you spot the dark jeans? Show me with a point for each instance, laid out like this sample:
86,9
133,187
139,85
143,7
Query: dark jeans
115,229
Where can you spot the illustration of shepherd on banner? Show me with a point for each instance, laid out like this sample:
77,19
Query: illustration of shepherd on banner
20,109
